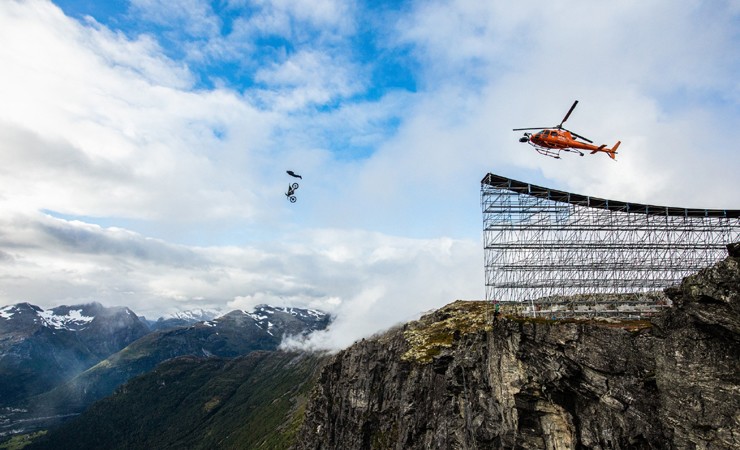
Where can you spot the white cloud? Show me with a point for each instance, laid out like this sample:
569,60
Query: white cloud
307,78
90,113
368,280
196,16
327,16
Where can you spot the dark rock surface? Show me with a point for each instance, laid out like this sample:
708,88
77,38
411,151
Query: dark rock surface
455,379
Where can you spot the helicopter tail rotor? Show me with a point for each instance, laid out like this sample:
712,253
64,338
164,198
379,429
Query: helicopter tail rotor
612,154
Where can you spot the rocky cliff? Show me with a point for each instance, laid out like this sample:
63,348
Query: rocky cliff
457,379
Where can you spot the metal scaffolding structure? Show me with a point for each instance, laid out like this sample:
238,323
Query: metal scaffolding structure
541,243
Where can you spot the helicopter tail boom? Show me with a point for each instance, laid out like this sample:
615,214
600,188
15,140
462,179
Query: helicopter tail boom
612,152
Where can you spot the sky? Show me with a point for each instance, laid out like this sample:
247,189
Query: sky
144,143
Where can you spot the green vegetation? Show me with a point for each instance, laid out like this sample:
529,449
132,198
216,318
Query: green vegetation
143,356
20,441
432,333
256,401
428,336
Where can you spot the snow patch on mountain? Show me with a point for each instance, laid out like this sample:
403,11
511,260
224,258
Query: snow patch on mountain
61,318
6,312
193,315
296,312
266,318
74,319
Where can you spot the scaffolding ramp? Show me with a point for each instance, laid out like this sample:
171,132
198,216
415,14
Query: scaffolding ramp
558,254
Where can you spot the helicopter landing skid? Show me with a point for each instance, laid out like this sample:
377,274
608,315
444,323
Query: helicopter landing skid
554,152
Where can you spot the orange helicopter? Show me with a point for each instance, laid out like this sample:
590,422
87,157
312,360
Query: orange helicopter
552,140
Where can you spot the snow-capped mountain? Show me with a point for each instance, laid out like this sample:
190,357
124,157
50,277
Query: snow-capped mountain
72,319
18,317
58,361
40,348
287,320
234,334
24,316
183,318
196,315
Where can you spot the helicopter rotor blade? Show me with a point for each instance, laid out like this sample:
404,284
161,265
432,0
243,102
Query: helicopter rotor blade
533,128
579,136
568,115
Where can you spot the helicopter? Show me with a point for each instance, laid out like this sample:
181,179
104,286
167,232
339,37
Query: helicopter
550,141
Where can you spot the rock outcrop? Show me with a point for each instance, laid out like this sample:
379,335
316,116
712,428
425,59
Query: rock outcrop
456,379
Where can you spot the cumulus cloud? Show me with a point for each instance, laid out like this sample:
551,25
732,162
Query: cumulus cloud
307,78
369,281
107,135
197,17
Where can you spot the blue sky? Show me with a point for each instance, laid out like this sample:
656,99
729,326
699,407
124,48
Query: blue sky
144,143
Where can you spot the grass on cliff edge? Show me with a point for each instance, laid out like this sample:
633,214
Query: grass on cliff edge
436,331
430,334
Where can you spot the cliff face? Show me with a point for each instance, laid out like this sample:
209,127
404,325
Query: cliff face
456,379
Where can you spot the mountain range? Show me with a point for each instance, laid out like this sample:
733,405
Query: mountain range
252,401
55,363
40,349
182,318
